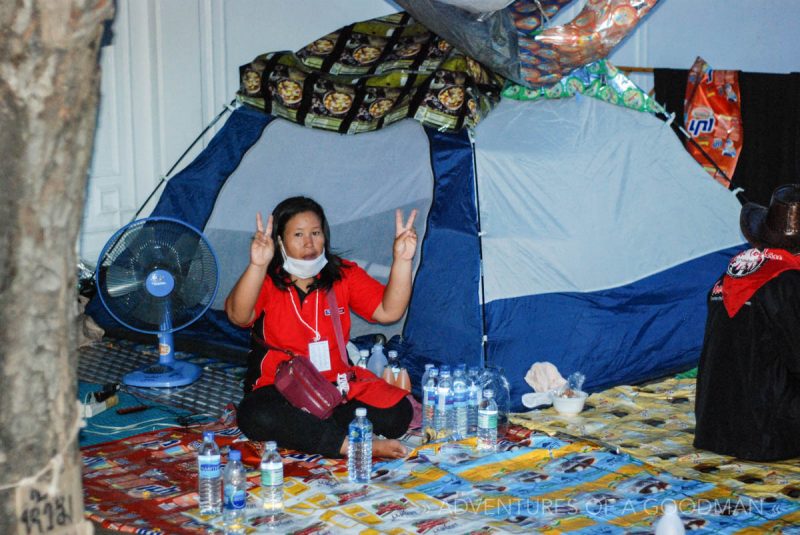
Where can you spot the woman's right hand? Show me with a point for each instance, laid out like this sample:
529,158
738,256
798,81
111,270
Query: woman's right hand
262,248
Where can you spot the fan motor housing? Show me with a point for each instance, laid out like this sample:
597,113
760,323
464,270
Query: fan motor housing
160,283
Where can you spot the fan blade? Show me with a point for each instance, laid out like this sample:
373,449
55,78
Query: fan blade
123,281
203,274
188,247
156,251
158,244
128,247
149,313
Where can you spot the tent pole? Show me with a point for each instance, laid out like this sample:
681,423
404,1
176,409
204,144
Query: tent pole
225,109
484,339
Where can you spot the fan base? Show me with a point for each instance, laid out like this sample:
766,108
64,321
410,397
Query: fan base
176,373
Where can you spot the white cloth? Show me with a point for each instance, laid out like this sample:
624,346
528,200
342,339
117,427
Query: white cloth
544,377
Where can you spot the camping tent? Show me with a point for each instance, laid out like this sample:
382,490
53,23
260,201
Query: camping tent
571,231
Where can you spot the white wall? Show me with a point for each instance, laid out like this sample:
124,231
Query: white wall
172,65
169,70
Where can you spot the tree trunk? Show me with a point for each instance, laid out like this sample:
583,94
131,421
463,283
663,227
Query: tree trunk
49,89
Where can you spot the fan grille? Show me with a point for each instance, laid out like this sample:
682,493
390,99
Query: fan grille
143,247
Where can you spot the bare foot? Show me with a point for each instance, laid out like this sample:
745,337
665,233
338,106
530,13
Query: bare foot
388,448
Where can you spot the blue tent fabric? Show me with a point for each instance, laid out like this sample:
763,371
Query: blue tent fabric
590,242
445,325
190,195
633,333
600,238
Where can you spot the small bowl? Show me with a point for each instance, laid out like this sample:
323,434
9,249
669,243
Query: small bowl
570,406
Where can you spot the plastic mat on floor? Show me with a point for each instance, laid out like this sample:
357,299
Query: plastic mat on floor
655,423
108,360
146,484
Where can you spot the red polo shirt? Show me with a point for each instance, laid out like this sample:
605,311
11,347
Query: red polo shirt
283,329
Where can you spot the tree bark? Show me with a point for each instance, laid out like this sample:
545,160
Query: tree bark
49,90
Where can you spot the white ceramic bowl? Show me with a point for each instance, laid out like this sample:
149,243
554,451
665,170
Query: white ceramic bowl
570,406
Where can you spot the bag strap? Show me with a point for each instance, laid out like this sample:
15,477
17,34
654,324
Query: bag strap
337,326
254,336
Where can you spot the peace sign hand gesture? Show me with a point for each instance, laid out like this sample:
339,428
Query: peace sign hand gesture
405,241
262,248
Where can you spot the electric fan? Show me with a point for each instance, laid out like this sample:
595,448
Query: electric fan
158,275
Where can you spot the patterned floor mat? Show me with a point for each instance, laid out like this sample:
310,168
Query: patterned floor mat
608,471
146,484
655,423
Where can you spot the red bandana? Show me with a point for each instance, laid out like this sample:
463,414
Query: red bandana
750,270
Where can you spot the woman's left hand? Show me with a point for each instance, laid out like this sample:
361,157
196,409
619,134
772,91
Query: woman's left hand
405,241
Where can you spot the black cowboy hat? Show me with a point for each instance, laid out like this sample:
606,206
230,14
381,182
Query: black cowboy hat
778,226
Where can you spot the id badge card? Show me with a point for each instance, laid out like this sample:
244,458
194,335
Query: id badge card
320,355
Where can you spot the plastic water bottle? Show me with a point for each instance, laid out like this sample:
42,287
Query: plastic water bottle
363,358
473,399
377,360
235,485
394,362
670,523
359,448
431,376
443,416
460,402
424,380
271,479
209,468
487,422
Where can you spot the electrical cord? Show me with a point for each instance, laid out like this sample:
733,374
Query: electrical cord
184,420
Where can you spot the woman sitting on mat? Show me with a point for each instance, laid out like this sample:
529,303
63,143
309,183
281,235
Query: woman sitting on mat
282,296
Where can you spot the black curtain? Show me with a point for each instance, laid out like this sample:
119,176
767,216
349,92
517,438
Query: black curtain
771,120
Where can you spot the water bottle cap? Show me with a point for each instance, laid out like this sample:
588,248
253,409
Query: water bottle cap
392,352
361,411
271,445
363,352
234,455
208,435
488,393
670,508
429,365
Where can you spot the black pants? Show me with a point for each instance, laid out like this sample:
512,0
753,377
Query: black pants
264,414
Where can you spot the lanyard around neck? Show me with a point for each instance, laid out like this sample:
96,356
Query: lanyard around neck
316,315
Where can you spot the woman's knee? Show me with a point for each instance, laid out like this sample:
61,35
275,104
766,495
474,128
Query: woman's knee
397,419
253,417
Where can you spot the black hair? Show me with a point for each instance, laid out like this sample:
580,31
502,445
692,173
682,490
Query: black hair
283,212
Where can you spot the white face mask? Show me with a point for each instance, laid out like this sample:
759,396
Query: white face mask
303,269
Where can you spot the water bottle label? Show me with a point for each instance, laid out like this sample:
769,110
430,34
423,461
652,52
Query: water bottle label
461,398
271,474
487,419
356,434
235,498
208,466
441,398
427,396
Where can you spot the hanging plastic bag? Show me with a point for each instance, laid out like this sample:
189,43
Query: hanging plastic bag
713,117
